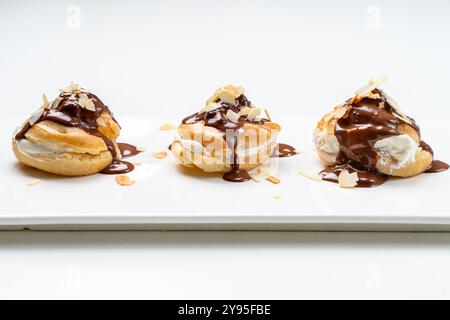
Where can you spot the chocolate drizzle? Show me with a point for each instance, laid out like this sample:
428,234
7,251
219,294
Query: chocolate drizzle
283,151
218,119
366,121
66,111
128,150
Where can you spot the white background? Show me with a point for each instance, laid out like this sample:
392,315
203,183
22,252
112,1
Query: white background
157,57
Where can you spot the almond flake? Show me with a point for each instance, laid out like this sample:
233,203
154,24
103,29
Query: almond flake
273,179
89,105
311,176
160,155
56,102
124,180
233,116
210,107
227,97
136,163
267,115
167,127
348,180
46,104
35,116
236,91
253,113
245,111
373,84
33,182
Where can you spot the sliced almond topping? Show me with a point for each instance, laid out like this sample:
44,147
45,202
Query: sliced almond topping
33,182
373,84
267,115
89,105
210,107
35,116
227,97
46,104
245,111
56,102
273,179
253,113
124,180
233,116
348,180
136,162
167,127
160,155
236,91
311,176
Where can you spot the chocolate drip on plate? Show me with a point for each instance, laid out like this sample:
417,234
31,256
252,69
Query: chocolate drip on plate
283,151
128,150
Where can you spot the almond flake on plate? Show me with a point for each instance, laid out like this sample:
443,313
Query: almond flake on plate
348,180
311,176
167,127
160,155
124,180
136,162
33,182
273,179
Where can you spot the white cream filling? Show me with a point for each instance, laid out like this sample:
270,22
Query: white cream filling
326,143
196,147
31,148
401,148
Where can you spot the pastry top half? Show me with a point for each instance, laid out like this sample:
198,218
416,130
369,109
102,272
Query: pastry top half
370,132
75,134
228,133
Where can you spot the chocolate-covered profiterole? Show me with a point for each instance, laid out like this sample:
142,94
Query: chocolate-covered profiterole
371,136
75,107
230,116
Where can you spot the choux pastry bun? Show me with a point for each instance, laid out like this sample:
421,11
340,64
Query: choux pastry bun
228,135
368,138
73,135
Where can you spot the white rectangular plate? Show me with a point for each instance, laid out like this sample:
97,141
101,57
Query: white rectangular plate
168,197
156,61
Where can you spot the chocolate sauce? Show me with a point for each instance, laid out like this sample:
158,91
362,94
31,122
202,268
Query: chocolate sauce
66,111
366,121
218,119
118,167
128,150
236,175
366,177
283,151
437,166
169,147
